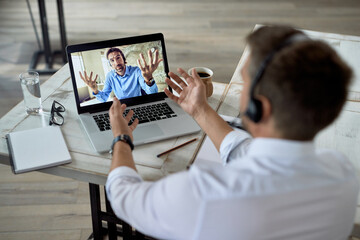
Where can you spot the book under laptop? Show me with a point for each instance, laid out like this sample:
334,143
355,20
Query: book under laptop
159,117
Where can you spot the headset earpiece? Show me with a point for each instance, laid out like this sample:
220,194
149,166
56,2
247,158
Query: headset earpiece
254,110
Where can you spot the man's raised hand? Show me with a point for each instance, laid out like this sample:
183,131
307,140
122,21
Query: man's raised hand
119,123
90,81
148,69
192,93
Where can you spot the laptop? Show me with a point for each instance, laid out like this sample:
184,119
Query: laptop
159,117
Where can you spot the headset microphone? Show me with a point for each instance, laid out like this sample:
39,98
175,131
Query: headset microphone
236,122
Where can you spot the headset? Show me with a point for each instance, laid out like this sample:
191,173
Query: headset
254,108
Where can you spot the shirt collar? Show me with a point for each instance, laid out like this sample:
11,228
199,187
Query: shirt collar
280,147
127,71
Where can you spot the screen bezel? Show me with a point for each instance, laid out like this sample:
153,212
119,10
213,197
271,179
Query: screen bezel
110,43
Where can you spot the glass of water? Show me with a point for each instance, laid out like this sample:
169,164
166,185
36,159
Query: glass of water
30,85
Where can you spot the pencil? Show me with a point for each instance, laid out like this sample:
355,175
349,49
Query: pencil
177,147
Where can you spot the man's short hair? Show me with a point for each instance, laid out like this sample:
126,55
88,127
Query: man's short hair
306,82
115,49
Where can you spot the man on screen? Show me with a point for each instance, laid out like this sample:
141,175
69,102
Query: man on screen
126,81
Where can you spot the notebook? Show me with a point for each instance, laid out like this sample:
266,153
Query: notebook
36,149
119,74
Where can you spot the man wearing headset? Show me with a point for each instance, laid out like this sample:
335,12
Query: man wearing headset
274,183
126,81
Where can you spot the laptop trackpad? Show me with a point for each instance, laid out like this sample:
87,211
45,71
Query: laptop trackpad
141,134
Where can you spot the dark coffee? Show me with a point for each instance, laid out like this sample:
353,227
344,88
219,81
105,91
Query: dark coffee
203,74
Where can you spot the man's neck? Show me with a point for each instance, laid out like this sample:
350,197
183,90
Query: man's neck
264,129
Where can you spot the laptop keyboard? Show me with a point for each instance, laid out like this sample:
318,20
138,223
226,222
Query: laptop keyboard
145,114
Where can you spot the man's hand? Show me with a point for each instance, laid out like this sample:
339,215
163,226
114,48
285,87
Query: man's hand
148,69
89,81
119,123
192,98
192,95
122,154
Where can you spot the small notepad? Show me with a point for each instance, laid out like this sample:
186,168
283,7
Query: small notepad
37,148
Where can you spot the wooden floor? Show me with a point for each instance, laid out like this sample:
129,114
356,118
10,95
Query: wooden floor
197,33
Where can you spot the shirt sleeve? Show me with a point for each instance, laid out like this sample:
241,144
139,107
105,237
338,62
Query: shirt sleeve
103,95
165,209
148,89
234,145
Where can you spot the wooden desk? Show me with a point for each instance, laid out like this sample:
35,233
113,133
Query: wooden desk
88,165
344,134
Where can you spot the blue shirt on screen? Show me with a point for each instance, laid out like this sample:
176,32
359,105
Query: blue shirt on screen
126,86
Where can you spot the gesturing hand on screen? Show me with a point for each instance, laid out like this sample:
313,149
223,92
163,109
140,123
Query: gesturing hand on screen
90,81
148,69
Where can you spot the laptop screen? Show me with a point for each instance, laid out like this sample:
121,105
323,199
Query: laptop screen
132,69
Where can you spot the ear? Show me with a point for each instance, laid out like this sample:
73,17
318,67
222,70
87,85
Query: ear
266,108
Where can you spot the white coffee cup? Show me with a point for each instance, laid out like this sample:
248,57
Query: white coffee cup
206,75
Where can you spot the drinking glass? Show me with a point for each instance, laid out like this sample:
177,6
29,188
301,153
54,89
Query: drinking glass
30,86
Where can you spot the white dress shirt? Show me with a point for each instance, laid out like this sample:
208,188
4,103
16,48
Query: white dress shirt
269,189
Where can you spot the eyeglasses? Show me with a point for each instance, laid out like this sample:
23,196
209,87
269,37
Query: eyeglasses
55,115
